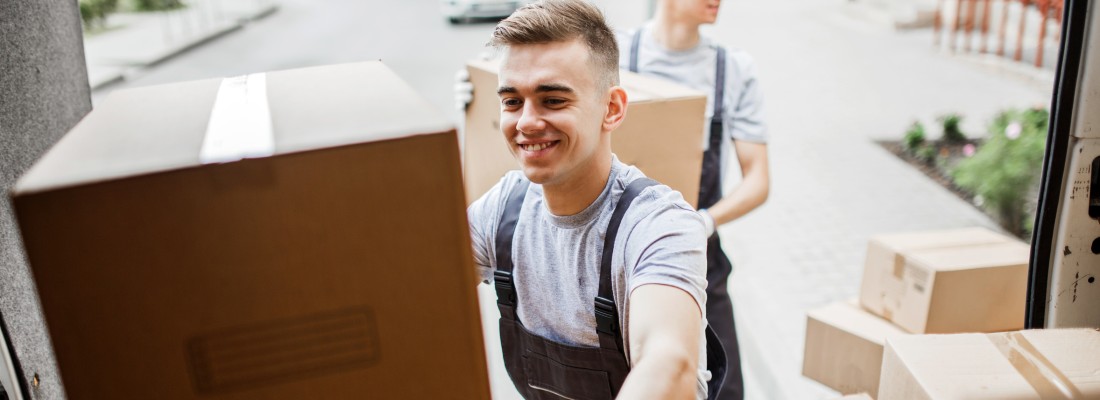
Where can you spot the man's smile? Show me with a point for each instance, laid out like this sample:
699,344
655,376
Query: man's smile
537,147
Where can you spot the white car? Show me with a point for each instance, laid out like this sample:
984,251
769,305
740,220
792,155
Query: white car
461,10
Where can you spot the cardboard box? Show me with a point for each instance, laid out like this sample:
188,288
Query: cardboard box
1033,364
844,347
662,134
857,396
336,266
966,280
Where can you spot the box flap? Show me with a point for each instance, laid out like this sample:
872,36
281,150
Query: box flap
970,257
962,366
850,317
640,88
901,242
1000,365
161,128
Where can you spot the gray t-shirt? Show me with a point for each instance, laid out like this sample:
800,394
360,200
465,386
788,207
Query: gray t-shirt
743,101
557,258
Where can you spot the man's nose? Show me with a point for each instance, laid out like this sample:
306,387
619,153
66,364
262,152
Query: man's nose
530,119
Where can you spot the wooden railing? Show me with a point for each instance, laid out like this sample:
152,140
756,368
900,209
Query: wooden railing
975,17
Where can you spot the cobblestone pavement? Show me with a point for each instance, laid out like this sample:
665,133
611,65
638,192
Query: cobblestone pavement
835,81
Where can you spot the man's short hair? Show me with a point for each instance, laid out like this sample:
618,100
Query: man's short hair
548,21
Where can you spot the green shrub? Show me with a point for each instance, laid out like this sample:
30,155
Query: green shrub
951,130
87,13
927,154
914,137
157,5
94,12
1006,165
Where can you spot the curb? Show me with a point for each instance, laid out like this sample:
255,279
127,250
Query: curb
185,47
120,75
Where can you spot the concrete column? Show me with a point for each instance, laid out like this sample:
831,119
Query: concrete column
43,92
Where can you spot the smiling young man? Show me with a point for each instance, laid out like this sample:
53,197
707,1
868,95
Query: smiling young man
599,272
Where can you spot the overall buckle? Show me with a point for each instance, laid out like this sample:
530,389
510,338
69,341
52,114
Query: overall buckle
607,316
505,287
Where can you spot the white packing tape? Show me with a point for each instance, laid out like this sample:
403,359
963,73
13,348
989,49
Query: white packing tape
240,122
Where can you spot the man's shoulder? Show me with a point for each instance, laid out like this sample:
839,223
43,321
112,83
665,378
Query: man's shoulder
491,204
741,62
652,199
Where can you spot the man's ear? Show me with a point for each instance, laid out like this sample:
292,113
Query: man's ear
616,109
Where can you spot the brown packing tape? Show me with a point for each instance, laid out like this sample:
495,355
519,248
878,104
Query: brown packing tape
1047,380
899,266
897,273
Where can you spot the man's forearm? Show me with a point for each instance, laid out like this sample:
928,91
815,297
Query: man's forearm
662,374
665,331
750,194
754,187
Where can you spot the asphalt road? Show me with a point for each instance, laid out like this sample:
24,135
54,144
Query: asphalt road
411,36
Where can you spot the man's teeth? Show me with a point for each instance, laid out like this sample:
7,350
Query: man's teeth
535,147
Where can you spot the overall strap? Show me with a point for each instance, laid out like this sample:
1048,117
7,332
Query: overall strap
607,314
719,84
710,182
635,44
502,277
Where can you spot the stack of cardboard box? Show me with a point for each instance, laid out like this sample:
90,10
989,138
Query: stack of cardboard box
953,281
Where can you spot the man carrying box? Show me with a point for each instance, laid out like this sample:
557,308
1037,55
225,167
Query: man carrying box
670,46
600,272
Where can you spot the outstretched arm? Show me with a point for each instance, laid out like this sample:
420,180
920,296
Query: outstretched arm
665,325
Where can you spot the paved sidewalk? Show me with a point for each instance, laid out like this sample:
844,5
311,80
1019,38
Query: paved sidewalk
140,40
834,82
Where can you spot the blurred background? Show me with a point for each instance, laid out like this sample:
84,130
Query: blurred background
879,111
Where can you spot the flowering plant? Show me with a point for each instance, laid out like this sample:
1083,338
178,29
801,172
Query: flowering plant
1002,171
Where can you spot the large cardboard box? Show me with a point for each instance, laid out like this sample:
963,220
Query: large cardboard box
857,396
335,265
844,347
662,134
1033,364
955,281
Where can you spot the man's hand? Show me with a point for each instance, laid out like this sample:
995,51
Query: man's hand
464,90
665,329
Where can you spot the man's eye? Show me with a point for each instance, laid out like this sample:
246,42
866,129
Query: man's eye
511,102
554,102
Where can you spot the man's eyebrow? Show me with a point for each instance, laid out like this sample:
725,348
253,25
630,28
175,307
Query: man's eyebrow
547,87
553,87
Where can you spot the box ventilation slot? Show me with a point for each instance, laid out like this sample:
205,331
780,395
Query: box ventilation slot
272,352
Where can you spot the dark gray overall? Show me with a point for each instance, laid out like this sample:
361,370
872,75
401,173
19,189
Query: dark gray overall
719,306
544,369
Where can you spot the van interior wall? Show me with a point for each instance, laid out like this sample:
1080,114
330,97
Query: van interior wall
43,92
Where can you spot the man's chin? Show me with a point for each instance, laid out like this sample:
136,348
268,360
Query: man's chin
537,175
